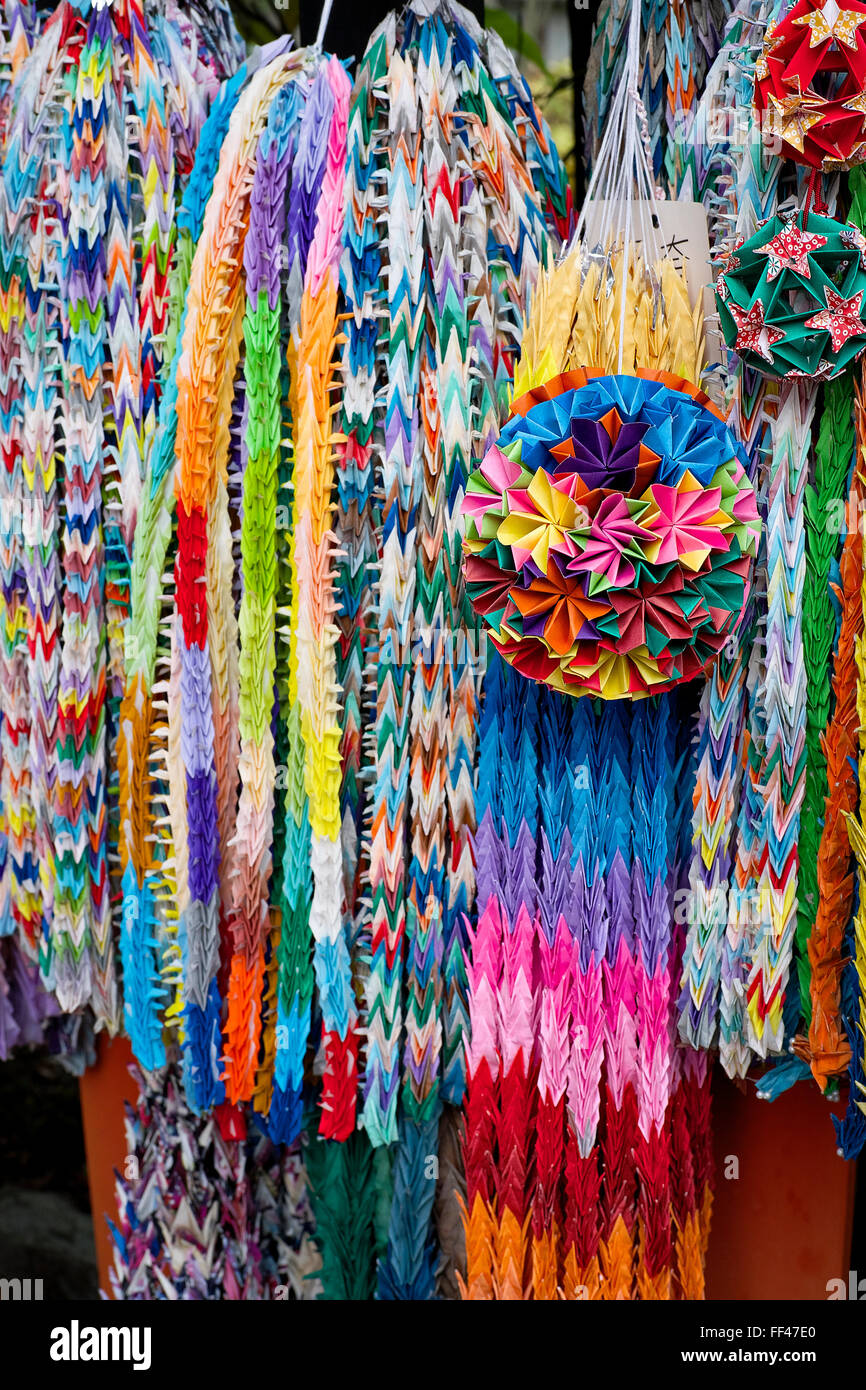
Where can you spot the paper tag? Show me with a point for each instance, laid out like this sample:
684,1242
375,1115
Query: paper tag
683,236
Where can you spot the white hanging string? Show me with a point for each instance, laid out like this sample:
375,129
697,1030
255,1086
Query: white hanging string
323,24
622,179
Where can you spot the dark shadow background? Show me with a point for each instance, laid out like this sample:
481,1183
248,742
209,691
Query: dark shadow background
45,1224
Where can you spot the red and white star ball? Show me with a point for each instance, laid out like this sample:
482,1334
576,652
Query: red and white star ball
810,82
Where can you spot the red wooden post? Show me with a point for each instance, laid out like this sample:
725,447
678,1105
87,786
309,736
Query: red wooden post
783,1227
103,1090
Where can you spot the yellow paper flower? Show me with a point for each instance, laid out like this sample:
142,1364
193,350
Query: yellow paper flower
539,518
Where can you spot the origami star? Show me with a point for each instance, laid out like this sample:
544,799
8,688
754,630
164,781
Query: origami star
723,588
831,23
684,522
489,586
752,333
841,318
606,453
486,485
655,616
790,249
792,119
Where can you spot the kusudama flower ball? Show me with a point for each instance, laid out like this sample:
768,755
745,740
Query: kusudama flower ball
611,534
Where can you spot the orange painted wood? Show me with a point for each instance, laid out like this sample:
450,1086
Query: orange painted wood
783,1228
103,1090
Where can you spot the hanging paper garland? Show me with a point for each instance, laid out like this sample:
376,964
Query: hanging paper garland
828,967
744,190
574,957
751,795
18,28
852,1129
148,874
107,110
810,81
220,732
825,497
679,40
611,534
445,130
827,1049
790,298
259,962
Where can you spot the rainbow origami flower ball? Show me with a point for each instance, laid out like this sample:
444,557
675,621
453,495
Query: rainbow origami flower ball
611,534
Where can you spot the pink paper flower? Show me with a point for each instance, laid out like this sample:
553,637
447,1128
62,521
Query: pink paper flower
683,523
615,541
